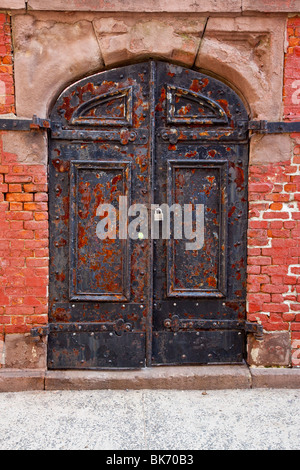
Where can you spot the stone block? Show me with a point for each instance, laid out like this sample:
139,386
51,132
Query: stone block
163,378
30,147
2,352
25,352
249,55
137,37
21,380
271,6
266,149
13,5
273,350
186,6
275,378
50,54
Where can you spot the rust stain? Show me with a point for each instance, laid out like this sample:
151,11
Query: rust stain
184,110
82,238
62,315
239,179
85,199
61,165
98,194
231,212
211,179
191,154
103,260
67,108
115,181
66,210
139,111
198,85
61,243
162,98
182,136
60,277
172,147
211,281
225,106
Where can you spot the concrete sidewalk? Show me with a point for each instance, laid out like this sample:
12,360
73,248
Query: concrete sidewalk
150,420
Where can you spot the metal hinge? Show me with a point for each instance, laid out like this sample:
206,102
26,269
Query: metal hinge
17,124
268,127
40,331
176,324
39,123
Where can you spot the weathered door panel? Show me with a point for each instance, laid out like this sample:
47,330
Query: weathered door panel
201,158
198,347
199,267
152,133
92,184
94,350
99,288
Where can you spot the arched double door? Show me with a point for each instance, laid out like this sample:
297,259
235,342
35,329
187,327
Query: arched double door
123,295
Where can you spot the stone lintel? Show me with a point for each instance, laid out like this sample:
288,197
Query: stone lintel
144,6
12,4
161,6
270,6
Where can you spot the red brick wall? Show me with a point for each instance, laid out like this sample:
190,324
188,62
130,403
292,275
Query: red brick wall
292,112
23,222
6,106
274,222
291,92
7,98
23,244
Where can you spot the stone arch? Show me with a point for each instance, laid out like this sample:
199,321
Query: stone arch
61,49
243,78
250,58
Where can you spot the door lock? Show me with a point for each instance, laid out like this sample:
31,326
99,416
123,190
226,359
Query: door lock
158,215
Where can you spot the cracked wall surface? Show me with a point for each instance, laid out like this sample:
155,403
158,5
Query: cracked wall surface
54,50
250,55
174,39
49,55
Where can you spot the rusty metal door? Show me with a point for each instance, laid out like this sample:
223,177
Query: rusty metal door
201,158
151,133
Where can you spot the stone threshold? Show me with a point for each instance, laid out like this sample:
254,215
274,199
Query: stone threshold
157,378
